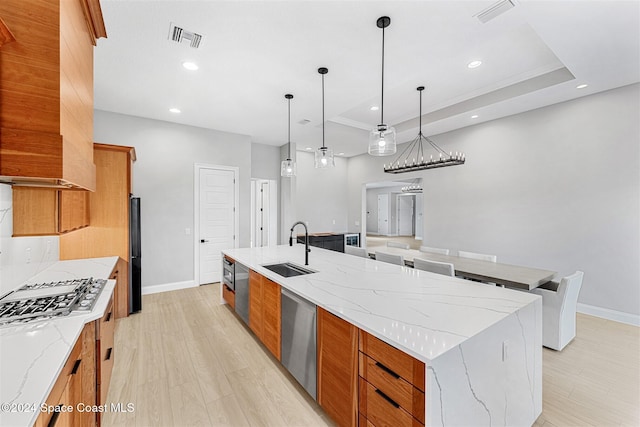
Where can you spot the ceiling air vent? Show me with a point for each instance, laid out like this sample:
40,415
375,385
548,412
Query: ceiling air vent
180,35
494,10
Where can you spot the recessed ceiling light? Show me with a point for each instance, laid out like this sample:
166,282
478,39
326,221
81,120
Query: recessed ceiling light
174,110
340,154
191,66
309,148
474,64
475,116
374,108
582,86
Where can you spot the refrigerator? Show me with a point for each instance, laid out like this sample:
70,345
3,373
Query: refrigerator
135,257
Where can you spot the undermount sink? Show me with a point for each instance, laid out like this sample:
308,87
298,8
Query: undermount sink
287,269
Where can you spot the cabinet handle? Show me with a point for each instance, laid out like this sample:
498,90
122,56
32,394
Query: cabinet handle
109,351
108,317
387,398
76,366
387,370
54,418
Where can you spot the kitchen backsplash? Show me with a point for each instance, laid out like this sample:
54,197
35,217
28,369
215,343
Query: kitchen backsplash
21,257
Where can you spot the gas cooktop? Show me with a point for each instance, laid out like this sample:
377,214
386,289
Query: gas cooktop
41,301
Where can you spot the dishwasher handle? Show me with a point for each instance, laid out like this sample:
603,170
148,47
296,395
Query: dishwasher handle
297,298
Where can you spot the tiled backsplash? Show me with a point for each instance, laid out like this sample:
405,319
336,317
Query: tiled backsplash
21,257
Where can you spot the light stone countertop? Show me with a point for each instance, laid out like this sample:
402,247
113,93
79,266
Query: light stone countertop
421,313
32,355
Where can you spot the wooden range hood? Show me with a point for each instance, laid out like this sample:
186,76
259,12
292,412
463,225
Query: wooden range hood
46,92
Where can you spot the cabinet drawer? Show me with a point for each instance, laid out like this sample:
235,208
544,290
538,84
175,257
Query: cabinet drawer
229,296
398,361
381,410
390,383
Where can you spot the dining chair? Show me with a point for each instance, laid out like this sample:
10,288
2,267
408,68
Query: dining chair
474,255
559,302
398,245
444,268
483,257
434,250
354,250
390,258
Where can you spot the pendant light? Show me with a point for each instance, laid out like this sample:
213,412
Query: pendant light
288,167
324,155
414,156
382,139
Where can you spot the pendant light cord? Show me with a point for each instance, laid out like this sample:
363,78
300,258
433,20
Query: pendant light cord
420,116
289,128
382,98
323,111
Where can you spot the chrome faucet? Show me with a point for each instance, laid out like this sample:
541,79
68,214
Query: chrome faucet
306,240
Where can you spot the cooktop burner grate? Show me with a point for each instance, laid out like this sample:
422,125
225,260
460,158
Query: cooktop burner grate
26,304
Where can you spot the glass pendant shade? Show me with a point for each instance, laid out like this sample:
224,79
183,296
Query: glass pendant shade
324,158
382,141
288,168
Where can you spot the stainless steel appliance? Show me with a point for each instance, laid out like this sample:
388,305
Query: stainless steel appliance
241,286
135,254
41,301
352,239
228,273
298,339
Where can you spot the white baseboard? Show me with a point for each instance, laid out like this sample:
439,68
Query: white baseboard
165,287
605,313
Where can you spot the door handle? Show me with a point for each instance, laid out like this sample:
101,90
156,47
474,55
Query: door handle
203,241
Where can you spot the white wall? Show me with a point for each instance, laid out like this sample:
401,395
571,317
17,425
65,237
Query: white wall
556,188
265,161
163,177
321,195
21,257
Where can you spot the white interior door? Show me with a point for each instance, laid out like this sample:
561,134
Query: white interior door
405,215
216,220
383,214
264,213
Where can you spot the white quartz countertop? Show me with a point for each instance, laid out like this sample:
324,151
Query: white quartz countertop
423,314
32,355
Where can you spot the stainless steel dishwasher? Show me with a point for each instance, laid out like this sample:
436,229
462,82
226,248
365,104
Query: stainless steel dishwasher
298,352
241,285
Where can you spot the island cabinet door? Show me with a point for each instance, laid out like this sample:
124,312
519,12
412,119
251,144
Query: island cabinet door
338,368
255,303
271,317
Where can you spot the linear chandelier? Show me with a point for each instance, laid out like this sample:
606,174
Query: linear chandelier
413,156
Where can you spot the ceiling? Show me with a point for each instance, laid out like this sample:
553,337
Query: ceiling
254,52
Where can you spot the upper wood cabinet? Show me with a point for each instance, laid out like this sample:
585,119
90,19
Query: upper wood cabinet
46,91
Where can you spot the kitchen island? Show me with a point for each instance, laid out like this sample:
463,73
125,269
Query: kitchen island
481,345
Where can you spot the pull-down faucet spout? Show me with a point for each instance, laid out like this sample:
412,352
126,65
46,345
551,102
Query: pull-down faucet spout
306,240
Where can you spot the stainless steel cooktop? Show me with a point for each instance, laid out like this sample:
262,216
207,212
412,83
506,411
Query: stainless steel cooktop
41,301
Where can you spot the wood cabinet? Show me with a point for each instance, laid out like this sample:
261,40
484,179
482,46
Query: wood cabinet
392,384
46,211
337,368
46,88
265,311
331,241
108,231
229,296
75,385
105,352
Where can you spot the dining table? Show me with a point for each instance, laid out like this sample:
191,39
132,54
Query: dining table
507,275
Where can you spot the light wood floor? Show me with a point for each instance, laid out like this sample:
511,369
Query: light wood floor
186,360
